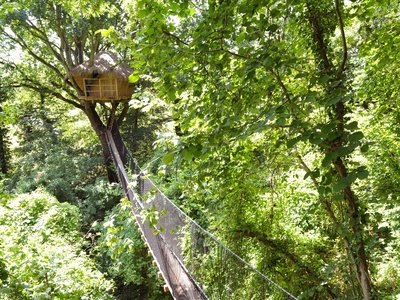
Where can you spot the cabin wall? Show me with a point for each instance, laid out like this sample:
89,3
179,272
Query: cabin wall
105,87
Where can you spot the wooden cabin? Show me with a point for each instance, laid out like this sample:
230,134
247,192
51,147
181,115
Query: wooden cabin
104,79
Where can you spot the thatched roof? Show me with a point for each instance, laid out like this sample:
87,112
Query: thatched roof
104,62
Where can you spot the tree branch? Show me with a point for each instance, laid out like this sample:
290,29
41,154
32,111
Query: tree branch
20,41
123,113
111,119
175,37
328,205
278,247
44,38
344,43
67,90
42,89
281,84
319,39
97,124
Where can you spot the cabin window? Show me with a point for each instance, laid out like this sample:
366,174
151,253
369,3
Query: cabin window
98,89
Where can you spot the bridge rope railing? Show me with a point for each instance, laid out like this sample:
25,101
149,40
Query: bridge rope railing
216,271
178,280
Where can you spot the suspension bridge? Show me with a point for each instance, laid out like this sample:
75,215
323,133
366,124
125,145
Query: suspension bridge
192,261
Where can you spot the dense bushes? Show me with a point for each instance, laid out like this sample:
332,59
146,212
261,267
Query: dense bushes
41,251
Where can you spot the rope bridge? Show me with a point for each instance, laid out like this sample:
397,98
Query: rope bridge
194,264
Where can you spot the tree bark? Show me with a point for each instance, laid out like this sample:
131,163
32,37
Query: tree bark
100,129
3,152
119,143
3,149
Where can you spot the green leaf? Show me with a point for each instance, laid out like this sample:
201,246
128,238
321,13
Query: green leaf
364,148
324,79
328,158
333,100
142,13
133,78
192,11
241,37
343,151
324,190
273,27
105,32
275,12
352,125
301,75
327,128
339,186
268,62
168,158
290,143
344,182
171,94
187,155
362,172
197,93
316,139
281,121
356,136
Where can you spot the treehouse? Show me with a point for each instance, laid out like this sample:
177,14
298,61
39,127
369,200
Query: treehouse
104,79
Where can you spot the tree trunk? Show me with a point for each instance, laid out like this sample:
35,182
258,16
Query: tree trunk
108,161
354,239
357,248
3,141
3,152
119,142
100,129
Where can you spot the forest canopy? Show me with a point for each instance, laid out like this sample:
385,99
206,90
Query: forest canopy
273,124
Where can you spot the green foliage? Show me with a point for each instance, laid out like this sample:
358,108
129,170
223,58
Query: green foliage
60,154
266,100
146,118
4,119
54,146
382,192
41,255
282,136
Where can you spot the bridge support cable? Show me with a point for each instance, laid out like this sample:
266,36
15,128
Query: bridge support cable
193,261
180,284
